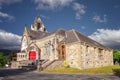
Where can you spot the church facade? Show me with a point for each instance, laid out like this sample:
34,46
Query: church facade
71,46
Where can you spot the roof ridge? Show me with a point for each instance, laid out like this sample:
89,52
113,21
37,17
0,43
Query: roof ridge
74,31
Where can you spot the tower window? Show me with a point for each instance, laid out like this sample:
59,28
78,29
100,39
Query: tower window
38,25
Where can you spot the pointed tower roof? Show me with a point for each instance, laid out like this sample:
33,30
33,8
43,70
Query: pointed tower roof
38,25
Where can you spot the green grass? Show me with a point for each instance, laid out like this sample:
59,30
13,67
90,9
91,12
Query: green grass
102,70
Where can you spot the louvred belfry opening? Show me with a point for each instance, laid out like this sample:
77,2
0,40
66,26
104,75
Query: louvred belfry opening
32,55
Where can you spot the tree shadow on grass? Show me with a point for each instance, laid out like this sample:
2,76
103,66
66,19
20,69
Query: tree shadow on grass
116,72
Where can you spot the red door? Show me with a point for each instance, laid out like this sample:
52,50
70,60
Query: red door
32,55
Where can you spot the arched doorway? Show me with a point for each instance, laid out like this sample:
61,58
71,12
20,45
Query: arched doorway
62,52
34,52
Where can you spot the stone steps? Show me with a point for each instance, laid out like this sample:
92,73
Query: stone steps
52,64
56,63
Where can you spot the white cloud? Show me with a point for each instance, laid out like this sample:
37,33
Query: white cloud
5,16
9,40
107,37
57,4
7,2
52,4
80,9
99,19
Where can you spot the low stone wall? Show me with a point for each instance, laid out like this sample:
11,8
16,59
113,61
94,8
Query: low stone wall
15,65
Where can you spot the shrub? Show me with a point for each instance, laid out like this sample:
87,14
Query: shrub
66,64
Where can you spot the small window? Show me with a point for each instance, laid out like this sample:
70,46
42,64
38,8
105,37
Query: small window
87,48
100,52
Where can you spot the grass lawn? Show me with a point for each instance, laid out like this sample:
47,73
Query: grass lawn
103,70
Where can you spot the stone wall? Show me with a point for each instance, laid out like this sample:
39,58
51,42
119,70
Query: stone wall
22,56
49,47
83,56
73,55
95,57
15,64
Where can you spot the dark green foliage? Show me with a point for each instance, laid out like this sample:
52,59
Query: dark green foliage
3,60
116,56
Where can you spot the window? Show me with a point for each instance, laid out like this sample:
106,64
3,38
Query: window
48,49
87,49
100,52
95,50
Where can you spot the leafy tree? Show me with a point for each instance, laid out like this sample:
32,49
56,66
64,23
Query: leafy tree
3,60
116,56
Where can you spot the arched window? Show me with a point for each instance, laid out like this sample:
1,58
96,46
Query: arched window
87,49
38,26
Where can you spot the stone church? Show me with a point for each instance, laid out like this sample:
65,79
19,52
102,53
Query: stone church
54,48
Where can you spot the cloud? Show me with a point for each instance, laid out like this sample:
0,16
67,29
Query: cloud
9,40
116,6
107,37
45,17
82,27
58,4
5,16
51,4
7,2
80,9
99,19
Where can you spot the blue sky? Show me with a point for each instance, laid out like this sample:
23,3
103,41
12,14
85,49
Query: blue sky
97,19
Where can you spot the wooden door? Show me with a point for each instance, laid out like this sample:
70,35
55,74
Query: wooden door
62,52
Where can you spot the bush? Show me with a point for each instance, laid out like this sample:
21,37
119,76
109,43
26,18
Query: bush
66,64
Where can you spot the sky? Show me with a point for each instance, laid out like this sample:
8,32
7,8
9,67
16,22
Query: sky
97,19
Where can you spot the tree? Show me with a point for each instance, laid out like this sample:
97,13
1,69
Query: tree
3,60
116,56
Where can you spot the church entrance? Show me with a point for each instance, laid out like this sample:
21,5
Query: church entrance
32,55
62,52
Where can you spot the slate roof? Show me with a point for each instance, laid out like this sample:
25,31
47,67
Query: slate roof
37,34
74,36
60,32
34,35
70,36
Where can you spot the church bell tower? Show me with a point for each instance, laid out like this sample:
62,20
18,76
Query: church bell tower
38,25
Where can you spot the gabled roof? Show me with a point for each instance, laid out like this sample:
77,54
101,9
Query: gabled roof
74,36
60,32
71,37
36,34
